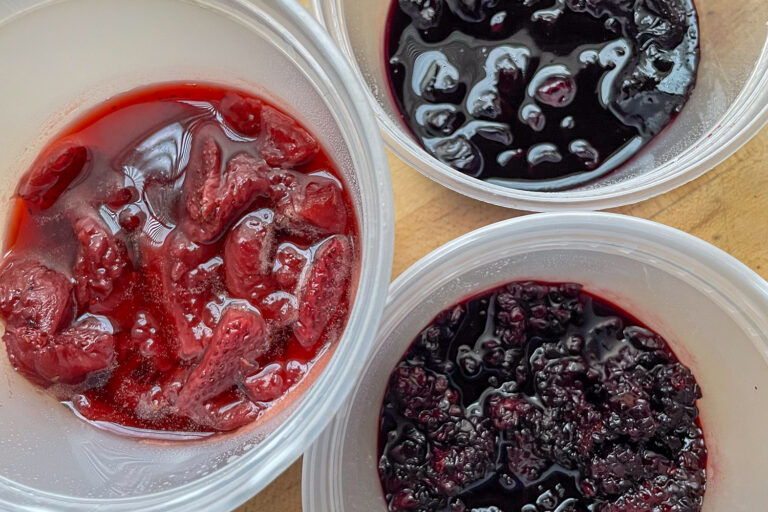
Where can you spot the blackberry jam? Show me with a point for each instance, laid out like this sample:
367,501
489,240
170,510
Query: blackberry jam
540,94
539,397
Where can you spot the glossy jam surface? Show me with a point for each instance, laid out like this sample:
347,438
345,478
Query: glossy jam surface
537,397
179,259
540,94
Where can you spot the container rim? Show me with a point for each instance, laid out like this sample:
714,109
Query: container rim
746,116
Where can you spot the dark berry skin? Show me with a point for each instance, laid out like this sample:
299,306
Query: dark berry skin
539,94
541,397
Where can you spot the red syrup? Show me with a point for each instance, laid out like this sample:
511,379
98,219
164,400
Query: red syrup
178,260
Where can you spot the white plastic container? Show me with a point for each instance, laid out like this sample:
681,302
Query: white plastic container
728,107
59,58
711,309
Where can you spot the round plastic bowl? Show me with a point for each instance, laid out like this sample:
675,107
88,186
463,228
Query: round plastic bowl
58,59
728,107
711,309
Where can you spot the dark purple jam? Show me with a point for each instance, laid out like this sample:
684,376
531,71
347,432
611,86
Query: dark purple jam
540,94
541,398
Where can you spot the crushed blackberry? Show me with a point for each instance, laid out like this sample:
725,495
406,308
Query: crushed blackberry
539,397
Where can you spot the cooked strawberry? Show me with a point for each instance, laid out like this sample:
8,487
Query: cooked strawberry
214,197
183,276
225,414
283,143
309,204
43,185
180,262
68,357
324,289
242,113
240,338
290,262
267,384
248,254
280,309
102,270
34,296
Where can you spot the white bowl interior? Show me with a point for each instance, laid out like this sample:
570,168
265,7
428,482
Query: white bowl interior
710,128
711,310
59,59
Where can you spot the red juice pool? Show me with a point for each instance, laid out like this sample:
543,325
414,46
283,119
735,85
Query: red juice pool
178,260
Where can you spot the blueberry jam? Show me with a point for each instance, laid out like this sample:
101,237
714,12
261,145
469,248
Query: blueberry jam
178,261
540,94
541,398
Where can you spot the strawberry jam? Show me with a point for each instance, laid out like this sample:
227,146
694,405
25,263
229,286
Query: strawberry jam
540,94
180,258
537,397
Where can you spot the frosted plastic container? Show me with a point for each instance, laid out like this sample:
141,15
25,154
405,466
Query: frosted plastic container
60,58
711,309
728,107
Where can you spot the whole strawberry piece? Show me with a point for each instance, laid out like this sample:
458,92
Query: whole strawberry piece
68,357
214,196
324,289
240,339
34,296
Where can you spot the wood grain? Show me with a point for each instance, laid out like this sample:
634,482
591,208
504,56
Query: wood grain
727,207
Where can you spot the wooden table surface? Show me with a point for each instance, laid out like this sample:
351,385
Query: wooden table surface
727,207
